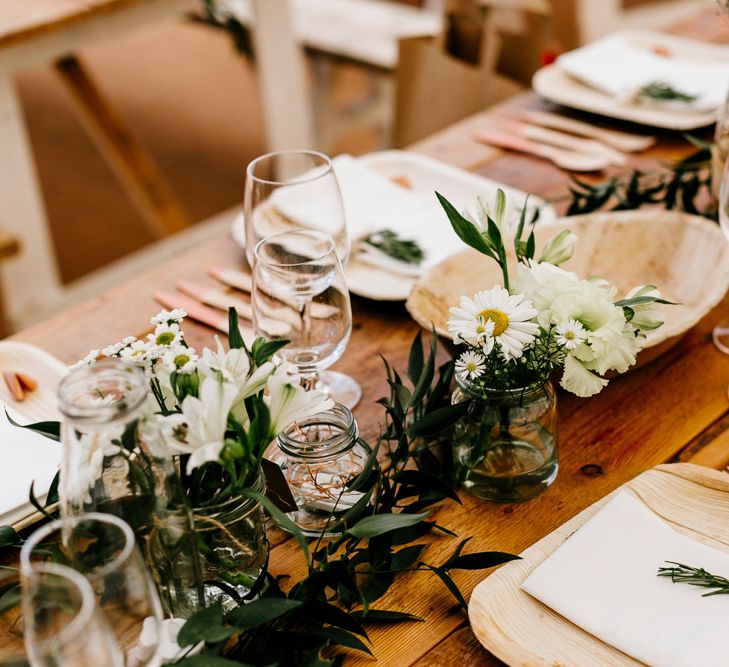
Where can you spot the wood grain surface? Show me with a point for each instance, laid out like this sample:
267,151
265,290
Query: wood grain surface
674,407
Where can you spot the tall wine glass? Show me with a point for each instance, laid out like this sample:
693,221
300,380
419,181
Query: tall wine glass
102,548
12,649
293,190
720,334
299,293
63,627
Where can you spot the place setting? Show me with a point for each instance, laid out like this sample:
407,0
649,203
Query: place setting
387,409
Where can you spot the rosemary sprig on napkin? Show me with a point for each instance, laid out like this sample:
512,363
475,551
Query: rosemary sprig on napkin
665,92
695,576
388,242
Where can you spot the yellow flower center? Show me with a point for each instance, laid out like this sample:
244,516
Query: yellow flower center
500,320
569,335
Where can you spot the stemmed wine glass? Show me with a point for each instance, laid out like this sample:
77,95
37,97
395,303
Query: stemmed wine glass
720,335
102,548
289,190
63,626
299,287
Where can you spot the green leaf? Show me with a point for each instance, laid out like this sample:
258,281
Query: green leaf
35,502
262,349
281,519
9,537
378,524
481,560
407,557
263,610
465,229
426,377
205,625
427,482
438,420
639,300
415,358
328,613
448,583
343,638
386,616
51,430
235,339
518,245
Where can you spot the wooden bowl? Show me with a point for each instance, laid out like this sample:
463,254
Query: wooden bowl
686,256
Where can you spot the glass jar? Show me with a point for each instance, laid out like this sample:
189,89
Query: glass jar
114,461
233,546
321,457
505,446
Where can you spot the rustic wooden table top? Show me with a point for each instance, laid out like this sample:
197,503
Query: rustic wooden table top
673,409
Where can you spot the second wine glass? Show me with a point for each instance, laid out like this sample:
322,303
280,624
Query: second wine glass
299,293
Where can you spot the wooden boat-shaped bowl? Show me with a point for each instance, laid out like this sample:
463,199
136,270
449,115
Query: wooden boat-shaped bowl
686,256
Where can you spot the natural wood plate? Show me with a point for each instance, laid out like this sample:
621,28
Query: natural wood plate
520,630
686,256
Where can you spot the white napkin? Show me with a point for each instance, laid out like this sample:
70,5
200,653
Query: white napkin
373,203
603,579
620,67
25,456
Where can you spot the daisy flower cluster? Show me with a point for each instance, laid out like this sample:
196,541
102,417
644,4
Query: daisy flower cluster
221,407
544,319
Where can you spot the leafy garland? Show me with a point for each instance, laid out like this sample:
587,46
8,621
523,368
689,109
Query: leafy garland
309,621
679,186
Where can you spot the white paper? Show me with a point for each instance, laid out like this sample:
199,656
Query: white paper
25,456
620,67
603,579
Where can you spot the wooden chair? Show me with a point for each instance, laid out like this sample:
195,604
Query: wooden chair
374,35
50,31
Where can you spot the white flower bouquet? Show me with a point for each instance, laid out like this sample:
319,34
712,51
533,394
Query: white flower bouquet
217,411
544,318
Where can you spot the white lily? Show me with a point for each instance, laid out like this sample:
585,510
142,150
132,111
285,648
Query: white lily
644,316
200,429
288,403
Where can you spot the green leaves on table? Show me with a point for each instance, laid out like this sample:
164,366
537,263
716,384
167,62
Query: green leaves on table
684,186
329,608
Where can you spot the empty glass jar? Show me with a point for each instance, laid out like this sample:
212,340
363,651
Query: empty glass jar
322,458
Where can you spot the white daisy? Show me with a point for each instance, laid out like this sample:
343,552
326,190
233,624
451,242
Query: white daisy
468,326
166,334
136,352
510,315
167,316
470,365
570,334
181,359
88,360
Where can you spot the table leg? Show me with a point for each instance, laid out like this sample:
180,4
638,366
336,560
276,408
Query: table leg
31,281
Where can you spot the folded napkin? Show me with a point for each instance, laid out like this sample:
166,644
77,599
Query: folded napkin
26,456
603,579
372,203
620,67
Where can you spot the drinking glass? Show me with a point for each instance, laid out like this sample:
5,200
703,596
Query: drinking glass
720,335
299,293
101,547
290,190
63,627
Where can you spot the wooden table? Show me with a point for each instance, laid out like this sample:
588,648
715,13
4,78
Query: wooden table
672,409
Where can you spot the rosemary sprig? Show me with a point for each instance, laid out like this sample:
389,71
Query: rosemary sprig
695,576
665,92
404,250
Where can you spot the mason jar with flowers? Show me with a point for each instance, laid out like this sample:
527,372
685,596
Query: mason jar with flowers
542,321
211,415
